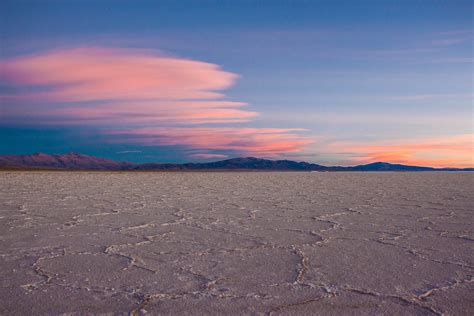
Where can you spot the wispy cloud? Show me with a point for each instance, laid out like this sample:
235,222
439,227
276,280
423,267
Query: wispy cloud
456,32
376,118
264,142
209,156
432,96
452,37
448,60
448,41
151,112
129,151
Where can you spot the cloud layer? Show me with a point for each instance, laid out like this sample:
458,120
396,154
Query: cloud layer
149,99
264,142
91,74
136,93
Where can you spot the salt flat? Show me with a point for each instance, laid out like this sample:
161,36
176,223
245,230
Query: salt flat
236,243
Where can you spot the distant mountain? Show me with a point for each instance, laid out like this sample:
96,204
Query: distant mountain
248,163
385,166
67,161
74,161
251,163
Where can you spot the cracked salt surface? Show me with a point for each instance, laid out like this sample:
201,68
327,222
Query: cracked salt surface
236,243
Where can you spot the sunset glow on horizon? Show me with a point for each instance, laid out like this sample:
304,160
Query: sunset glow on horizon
302,90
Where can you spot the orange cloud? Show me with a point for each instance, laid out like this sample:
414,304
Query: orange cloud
264,142
451,151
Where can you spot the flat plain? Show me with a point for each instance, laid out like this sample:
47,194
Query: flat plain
236,243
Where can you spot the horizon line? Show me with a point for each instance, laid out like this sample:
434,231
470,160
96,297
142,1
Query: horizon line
239,157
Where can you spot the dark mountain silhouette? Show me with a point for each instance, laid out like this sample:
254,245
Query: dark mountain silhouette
66,161
385,166
74,161
248,163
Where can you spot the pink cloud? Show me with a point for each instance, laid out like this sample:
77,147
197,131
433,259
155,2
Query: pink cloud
163,113
120,86
264,142
113,88
91,74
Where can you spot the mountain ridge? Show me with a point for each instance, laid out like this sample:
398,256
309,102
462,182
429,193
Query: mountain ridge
77,161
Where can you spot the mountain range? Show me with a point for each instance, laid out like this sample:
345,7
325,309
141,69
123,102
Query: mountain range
75,161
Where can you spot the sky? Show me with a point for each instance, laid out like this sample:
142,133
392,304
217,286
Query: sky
329,82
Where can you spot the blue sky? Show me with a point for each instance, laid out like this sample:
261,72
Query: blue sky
366,80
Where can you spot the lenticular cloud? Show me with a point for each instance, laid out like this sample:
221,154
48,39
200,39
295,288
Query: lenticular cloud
92,74
131,89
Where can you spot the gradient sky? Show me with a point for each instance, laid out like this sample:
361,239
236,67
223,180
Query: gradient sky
331,82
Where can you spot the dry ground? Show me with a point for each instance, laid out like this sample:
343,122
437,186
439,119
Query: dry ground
236,243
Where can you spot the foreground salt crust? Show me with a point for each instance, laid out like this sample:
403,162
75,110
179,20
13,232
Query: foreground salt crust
236,243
